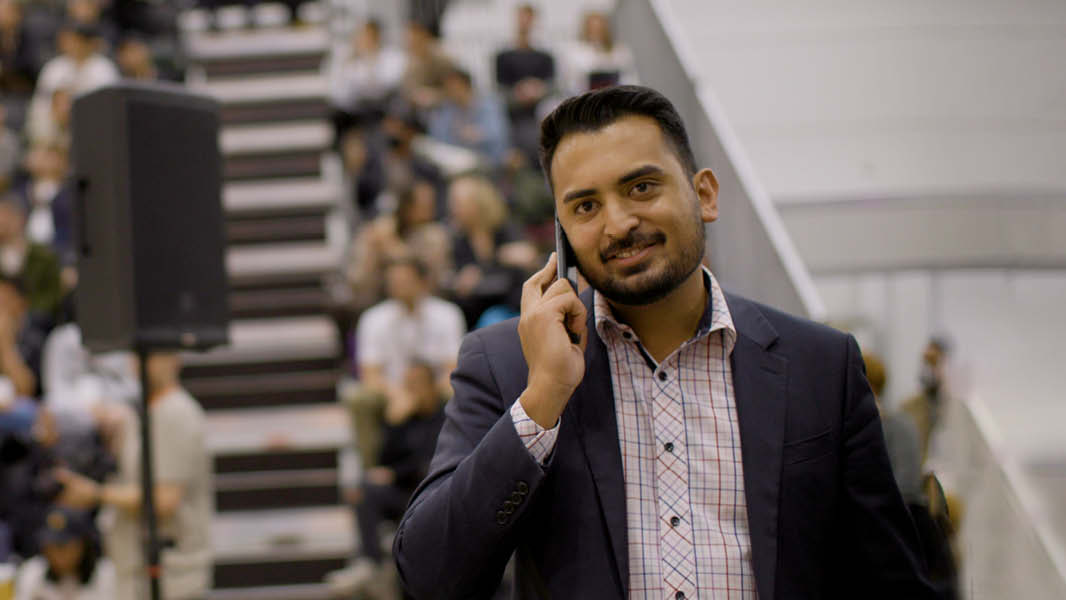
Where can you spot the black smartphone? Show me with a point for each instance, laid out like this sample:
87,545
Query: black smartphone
566,267
566,264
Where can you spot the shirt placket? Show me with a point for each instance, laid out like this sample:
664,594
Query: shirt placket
676,548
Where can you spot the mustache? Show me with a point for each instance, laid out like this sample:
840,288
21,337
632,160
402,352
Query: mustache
634,239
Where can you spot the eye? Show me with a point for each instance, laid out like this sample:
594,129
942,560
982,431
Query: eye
584,207
643,187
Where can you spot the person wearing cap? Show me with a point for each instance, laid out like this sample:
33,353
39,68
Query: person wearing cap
70,566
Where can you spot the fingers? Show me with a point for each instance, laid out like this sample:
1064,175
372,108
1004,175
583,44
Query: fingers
533,288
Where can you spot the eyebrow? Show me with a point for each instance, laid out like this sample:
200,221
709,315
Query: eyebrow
624,179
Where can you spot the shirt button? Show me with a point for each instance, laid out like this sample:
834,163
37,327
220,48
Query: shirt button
669,446
662,375
680,596
674,521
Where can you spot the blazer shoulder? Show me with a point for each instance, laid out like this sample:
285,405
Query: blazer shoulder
788,330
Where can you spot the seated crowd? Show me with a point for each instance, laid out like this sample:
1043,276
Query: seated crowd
450,214
69,433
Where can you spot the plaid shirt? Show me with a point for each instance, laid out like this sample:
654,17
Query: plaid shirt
687,520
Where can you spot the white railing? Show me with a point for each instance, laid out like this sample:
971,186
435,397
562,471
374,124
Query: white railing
1008,544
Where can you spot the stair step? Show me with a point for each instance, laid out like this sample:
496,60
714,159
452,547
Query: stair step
257,304
274,138
265,89
306,591
217,46
266,389
273,230
277,340
300,428
278,196
282,259
280,546
258,112
276,489
283,165
276,460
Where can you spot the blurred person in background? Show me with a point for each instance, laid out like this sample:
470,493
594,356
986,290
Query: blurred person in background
412,230
183,492
71,565
53,128
410,326
363,76
89,13
22,337
525,76
470,120
80,67
10,151
597,59
427,66
48,200
901,438
27,463
491,257
135,59
412,423
361,156
19,52
925,407
34,265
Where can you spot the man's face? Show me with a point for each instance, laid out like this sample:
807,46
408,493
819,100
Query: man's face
633,217
64,557
404,283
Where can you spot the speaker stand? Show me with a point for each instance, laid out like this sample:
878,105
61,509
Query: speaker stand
151,526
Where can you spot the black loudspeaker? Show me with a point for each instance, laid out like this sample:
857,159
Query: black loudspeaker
149,231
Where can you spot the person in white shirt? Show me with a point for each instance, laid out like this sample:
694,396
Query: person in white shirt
361,78
79,68
409,327
597,59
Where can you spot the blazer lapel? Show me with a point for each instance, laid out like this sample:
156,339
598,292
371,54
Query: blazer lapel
759,383
593,413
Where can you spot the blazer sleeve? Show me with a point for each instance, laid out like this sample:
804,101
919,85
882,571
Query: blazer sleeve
881,553
462,524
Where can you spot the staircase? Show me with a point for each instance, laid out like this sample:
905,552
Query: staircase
274,427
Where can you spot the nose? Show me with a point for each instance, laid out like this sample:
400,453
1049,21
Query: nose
619,219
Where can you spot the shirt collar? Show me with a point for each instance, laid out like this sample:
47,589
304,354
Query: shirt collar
715,317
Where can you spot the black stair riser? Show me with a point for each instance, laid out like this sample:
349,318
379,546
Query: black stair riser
262,65
284,398
301,497
273,367
274,112
272,166
279,460
288,572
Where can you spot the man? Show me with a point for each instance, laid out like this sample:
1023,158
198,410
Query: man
693,444
470,120
34,265
363,77
183,495
410,437
22,337
410,326
525,76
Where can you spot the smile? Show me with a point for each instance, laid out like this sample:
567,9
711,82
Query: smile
631,256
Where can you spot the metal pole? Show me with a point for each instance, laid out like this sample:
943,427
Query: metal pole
148,516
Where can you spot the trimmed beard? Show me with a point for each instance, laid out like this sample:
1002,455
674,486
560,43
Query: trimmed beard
659,287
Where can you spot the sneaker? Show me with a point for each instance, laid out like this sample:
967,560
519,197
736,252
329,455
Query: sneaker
355,578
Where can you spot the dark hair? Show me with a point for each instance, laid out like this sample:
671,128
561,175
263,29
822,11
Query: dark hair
597,109
374,25
17,284
408,260
464,75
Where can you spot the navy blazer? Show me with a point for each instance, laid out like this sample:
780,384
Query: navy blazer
826,518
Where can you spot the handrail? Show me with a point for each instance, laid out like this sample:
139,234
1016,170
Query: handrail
771,271
1009,544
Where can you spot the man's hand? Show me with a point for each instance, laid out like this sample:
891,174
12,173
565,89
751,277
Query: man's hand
556,366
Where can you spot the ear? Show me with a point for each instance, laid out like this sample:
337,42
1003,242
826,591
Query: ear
706,186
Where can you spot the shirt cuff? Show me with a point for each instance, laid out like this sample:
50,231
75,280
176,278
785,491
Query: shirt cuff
539,441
